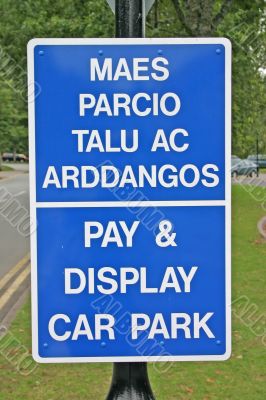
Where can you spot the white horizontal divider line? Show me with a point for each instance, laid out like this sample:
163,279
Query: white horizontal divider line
176,203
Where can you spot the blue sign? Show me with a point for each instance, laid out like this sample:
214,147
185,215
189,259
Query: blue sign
130,199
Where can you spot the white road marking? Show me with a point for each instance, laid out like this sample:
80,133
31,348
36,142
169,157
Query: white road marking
19,193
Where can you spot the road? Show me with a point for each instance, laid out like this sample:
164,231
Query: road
13,243
245,180
18,166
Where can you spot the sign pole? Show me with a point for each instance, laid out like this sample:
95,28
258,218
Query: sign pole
130,18
130,380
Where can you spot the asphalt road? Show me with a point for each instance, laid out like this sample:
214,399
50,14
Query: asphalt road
18,166
245,180
13,243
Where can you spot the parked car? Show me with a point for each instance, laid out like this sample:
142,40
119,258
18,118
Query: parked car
9,157
261,160
243,167
21,158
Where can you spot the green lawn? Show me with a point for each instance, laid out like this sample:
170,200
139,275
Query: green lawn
242,377
6,168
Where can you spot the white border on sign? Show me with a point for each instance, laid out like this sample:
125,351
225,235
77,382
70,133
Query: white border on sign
34,205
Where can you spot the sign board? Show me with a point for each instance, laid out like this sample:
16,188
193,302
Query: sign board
130,199
147,4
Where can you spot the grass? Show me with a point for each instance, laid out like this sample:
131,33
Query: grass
6,168
242,377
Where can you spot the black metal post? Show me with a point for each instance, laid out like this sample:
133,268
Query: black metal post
129,18
130,380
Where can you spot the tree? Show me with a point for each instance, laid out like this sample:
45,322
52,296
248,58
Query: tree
13,121
242,21
201,17
22,21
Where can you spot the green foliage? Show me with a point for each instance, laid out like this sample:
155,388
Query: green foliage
27,19
242,21
245,25
13,120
